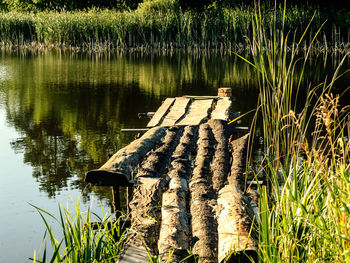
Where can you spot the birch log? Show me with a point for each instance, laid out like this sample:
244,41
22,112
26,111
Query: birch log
145,205
221,161
235,230
174,232
204,225
119,168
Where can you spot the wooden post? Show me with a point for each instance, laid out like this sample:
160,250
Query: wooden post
116,201
225,92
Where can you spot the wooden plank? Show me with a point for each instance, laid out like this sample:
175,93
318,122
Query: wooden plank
134,130
200,97
222,109
176,112
161,112
134,254
197,113
145,114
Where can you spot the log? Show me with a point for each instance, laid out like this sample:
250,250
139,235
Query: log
181,158
157,160
161,112
118,170
145,213
197,112
174,232
145,205
235,227
221,162
176,112
203,225
222,109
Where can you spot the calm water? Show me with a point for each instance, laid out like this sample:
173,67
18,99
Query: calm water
61,115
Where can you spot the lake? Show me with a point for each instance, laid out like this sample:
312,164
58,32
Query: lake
61,115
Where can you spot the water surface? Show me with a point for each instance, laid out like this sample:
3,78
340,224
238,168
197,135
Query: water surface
61,115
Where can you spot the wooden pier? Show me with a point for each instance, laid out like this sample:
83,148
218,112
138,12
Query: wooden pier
187,184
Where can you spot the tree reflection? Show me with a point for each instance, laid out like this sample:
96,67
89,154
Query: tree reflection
69,109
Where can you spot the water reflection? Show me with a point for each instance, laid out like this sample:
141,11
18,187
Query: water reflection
70,108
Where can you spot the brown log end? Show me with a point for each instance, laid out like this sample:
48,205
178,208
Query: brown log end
107,178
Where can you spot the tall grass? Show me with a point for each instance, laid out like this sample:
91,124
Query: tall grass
304,209
82,239
155,23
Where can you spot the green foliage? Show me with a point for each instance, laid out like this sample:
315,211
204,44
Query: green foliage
155,23
82,239
304,208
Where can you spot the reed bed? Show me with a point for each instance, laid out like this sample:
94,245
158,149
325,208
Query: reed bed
304,207
155,23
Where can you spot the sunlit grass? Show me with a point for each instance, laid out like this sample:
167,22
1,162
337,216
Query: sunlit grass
156,23
304,208
82,239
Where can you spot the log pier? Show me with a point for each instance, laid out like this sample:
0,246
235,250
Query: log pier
186,175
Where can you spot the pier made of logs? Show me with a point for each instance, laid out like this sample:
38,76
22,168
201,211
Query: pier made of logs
188,191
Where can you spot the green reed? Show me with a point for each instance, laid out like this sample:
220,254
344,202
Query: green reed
155,23
82,239
304,208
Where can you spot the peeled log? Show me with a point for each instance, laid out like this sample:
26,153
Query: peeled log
221,162
174,232
204,225
119,168
235,229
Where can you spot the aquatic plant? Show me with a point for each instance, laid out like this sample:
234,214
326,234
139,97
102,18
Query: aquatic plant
304,207
82,239
155,23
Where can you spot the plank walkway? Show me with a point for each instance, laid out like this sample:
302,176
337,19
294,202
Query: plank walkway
187,194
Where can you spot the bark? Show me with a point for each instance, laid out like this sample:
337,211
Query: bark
145,205
221,162
145,212
157,160
204,225
119,168
174,232
235,229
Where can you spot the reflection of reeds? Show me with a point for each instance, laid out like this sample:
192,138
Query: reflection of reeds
304,208
157,24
